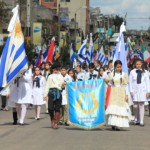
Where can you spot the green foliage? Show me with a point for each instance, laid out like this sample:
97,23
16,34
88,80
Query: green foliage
118,21
29,48
3,10
65,55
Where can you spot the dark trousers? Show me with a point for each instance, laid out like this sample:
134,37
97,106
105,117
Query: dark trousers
53,106
4,99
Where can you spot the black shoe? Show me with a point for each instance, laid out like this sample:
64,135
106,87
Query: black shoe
113,128
66,124
136,123
117,129
14,123
38,119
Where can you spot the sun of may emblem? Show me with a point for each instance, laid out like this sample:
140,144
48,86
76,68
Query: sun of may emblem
18,31
94,100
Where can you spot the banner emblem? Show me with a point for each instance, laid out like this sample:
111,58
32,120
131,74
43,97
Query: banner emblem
79,103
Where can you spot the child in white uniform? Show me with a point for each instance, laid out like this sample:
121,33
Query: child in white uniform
24,95
80,75
67,79
39,83
139,89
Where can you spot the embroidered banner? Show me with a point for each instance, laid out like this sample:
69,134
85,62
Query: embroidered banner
86,103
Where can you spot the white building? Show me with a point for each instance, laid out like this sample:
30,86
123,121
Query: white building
81,9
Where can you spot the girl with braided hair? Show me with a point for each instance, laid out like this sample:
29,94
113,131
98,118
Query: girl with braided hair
116,112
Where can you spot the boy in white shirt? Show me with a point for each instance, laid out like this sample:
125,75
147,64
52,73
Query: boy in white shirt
67,78
54,85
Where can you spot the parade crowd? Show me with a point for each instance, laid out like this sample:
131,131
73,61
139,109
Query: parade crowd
47,85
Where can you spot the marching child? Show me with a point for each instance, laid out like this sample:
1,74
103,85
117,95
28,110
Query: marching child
39,83
116,112
139,89
72,74
67,79
93,74
101,72
80,74
54,85
46,73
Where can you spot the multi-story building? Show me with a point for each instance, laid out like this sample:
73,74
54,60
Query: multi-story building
30,11
78,9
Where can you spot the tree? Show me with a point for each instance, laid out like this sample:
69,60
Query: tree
117,22
3,13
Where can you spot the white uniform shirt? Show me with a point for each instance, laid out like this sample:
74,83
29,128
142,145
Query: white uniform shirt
67,79
139,90
81,76
92,75
54,81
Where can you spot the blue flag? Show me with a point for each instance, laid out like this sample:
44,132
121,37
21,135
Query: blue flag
120,53
82,52
86,103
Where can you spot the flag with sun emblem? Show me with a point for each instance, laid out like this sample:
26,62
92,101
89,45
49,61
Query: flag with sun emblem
86,103
13,59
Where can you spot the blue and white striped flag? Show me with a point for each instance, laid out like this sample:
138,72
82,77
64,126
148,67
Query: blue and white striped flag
90,51
82,52
13,59
120,53
73,56
102,57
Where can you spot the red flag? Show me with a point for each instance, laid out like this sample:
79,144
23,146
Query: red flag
39,59
107,96
51,51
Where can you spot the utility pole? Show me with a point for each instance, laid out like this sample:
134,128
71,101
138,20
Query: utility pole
75,15
59,23
28,17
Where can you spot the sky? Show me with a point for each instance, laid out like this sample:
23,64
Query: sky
138,11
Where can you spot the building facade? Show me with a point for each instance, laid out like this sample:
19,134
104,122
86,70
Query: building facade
78,7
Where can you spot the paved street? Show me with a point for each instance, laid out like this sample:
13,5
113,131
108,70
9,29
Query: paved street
37,135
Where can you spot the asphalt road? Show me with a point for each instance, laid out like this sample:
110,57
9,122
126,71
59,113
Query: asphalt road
38,135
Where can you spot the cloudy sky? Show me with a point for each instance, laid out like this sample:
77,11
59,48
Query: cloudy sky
138,11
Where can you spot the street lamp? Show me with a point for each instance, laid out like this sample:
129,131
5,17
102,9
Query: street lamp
75,16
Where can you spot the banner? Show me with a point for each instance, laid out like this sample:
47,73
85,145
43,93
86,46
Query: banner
37,33
86,103
78,42
62,39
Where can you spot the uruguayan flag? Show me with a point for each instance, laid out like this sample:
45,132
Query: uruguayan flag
120,53
82,52
13,59
102,57
90,51
73,56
